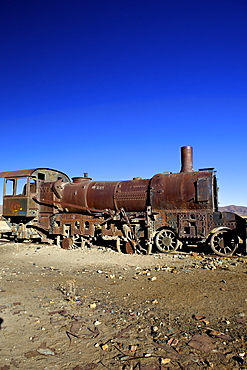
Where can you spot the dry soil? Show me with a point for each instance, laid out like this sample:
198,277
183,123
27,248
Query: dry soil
98,309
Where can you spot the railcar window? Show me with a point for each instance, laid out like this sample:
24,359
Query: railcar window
9,189
41,176
21,188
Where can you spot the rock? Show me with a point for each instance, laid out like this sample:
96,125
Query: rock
105,347
218,334
46,351
165,361
202,343
133,347
229,355
75,326
123,357
201,319
155,328
172,342
97,323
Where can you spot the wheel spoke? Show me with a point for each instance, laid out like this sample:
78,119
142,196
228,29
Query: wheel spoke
77,242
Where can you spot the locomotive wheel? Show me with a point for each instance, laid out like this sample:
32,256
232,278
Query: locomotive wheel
67,243
224,242
73,242
129,247
166,241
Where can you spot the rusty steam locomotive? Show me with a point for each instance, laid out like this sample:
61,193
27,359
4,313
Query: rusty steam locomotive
140,215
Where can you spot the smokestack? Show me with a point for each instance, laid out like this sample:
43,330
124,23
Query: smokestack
187,159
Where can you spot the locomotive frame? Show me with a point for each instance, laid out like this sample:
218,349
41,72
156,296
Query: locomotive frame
164,212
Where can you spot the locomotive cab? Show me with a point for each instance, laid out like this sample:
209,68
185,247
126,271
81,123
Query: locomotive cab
18,193
20,207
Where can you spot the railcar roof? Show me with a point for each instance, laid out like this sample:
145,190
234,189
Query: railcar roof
30,172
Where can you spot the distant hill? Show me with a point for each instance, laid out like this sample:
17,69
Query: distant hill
1,209
239,210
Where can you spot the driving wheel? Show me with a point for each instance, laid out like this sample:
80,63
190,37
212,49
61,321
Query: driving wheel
224,242
166,241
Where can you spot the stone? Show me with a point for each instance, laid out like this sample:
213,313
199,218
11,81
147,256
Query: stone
202,343
105,347
165,361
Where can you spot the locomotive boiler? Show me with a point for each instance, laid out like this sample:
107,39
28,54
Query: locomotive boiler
140,215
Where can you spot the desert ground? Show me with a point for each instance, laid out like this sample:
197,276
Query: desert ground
99,309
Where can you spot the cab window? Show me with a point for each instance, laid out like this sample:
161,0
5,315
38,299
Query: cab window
21,188
15,187
9,187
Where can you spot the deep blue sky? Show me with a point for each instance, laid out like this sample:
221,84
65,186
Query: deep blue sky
116,87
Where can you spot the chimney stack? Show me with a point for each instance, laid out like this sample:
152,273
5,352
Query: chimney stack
187,159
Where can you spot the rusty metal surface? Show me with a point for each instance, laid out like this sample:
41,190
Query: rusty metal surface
99,195
46,210
15,206
178,191
67,243
187,159
13,174
24,204
88,194
75,223
51,174
132,195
